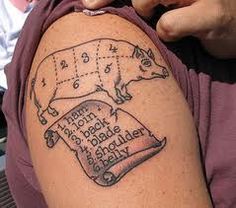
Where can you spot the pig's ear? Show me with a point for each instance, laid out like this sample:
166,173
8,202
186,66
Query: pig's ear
137,52
151,54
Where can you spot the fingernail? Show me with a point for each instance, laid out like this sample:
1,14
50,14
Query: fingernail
89,3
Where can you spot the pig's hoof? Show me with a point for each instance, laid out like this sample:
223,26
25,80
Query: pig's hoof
165,73
55,113
52,111
119,101
128,97
43,121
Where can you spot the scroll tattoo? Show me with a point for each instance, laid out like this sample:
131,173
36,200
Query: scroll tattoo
106,147
108,142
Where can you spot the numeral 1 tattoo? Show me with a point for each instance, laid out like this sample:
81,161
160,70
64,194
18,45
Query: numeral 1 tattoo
103,144
115,85
43,82
107,141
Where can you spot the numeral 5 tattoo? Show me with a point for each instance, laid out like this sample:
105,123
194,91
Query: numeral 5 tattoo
100,64
105,146
108,142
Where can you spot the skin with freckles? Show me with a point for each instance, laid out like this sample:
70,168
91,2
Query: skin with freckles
107,125
214,25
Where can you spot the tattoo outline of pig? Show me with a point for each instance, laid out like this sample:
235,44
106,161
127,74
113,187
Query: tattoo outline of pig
85,65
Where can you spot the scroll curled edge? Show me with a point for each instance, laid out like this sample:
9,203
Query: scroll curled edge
108,143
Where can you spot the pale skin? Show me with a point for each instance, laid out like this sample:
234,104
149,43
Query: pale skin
212,21
22,4
155,126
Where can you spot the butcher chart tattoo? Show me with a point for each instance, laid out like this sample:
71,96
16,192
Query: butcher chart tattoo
106,147
87,71
107,141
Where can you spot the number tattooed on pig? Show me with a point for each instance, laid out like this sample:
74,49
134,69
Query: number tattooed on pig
96,65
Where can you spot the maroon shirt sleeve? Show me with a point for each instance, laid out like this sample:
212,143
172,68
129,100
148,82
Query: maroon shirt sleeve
212,102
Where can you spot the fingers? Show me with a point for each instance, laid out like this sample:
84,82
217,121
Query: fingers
95,4
212,21
145,8
197,20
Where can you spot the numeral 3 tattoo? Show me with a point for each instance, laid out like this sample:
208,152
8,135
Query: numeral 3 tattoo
85,57
108,142
114,85
105,146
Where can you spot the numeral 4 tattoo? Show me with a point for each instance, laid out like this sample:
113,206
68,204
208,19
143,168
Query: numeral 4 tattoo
82,66
104,145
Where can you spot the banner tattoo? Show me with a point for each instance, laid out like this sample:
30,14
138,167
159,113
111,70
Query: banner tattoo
108,142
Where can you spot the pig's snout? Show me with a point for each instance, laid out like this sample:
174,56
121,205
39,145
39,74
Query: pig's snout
165,72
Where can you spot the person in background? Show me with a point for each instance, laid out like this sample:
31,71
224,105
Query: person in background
210,77
13,14
204,81
213,22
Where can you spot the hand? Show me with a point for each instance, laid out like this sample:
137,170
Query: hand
95,4
212,21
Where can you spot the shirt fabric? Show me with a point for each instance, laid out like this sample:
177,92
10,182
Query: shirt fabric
208,84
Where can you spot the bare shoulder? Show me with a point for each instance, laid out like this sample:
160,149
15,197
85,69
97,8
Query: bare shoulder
102,109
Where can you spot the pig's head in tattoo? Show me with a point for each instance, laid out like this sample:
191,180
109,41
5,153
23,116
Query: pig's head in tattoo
106,148
102,65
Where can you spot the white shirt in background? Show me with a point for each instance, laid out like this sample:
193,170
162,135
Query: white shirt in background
11,23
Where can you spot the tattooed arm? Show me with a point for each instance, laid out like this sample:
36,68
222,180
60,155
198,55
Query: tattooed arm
107,124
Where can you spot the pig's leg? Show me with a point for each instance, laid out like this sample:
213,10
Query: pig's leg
41,117
40,112
123,91
115,95
52,111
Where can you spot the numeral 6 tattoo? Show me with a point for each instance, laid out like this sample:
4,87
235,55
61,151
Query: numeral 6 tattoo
103,53
105,146
108,142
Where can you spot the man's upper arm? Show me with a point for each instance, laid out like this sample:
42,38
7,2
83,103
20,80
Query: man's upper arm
107,124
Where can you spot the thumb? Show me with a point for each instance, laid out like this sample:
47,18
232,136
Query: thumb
196,19
145,8
95,4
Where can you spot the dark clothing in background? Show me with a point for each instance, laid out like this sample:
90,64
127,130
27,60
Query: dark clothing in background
209,85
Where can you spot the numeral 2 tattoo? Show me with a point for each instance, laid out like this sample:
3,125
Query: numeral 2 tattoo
106,147
107,142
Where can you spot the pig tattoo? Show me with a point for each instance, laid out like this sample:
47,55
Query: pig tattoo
95,131
103,64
